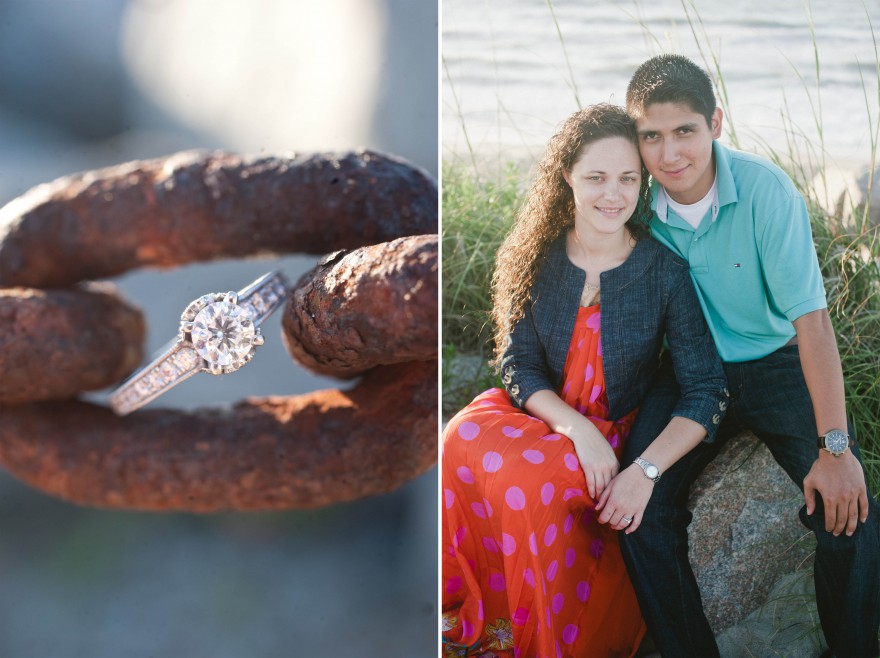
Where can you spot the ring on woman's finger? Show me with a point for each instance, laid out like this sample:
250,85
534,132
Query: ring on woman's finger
627,520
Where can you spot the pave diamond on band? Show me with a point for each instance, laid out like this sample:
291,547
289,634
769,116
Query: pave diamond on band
219,333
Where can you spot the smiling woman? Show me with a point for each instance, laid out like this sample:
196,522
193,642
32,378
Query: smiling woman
605,183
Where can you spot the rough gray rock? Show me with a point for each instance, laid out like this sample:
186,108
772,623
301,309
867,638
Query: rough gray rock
745,533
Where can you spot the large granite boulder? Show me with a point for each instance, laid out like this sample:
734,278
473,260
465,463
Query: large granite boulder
746,532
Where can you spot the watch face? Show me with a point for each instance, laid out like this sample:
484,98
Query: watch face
652,471
836,441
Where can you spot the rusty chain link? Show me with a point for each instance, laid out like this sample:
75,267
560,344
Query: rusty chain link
369,309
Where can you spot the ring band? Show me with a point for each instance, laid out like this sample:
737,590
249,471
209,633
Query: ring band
628,519
219,333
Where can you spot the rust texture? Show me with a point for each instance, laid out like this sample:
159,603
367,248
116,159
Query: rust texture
198,206
263,454
373,306
56,343
376,308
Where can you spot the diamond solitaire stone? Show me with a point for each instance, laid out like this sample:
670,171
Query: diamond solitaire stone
223,334
219,333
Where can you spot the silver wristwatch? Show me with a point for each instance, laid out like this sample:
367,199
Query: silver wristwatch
651,471
836,442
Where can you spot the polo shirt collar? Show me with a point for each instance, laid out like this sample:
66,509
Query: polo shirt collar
724,176
725,188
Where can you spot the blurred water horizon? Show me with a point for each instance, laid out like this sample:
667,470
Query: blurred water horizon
509,79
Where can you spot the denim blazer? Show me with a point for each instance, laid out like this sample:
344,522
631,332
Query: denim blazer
647,297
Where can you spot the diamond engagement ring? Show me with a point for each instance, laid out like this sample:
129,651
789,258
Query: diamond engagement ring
219,333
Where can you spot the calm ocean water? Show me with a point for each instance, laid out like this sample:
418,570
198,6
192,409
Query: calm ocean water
507,85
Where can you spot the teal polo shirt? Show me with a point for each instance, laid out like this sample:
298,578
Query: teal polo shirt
752,257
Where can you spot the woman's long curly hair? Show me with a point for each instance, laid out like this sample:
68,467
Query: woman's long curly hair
549,211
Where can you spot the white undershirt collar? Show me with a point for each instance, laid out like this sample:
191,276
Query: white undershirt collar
692,213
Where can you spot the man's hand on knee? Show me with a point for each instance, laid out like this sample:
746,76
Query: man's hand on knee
841,483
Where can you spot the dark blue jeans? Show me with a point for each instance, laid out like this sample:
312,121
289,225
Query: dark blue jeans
770,398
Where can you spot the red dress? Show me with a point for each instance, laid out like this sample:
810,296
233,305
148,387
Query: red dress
526,568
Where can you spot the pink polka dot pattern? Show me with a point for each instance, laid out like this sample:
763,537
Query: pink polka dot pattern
496,582
558,602
546,568
515,498
492,462
468,430
533,456
467,628
571,492
520,616
583,591
533,544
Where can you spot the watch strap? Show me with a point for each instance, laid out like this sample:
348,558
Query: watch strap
644,464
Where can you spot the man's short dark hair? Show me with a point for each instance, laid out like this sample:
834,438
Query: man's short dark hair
670,79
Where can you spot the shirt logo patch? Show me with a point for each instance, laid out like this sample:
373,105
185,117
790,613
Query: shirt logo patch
737,265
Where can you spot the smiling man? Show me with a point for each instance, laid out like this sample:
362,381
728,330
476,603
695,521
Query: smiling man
743,227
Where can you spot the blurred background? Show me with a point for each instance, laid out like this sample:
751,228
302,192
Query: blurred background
99,82
795,72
